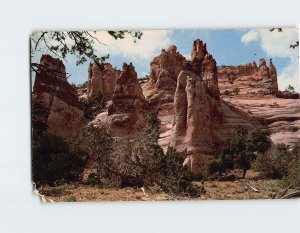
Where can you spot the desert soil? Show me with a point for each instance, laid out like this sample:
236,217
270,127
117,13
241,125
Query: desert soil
214,190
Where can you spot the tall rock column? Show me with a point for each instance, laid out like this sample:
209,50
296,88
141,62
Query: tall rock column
273,76
192,126
101,81
125,113
65,113
264,70
210,75
205,66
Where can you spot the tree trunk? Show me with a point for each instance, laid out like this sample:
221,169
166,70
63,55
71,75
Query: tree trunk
244,173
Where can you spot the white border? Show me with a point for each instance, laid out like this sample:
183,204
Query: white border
22,212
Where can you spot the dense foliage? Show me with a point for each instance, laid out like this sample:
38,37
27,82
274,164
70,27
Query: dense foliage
92,107
54,159
239,153
137,162
280,162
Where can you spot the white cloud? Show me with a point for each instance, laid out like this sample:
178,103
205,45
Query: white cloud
251,35
150,44
290,76
276,44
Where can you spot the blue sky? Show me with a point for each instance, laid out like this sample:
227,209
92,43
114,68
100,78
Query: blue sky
229,47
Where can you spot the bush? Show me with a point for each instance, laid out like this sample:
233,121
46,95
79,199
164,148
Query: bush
92,107
54,161
138,161
125,161
293,168
239,153
236,90
174,178
280,162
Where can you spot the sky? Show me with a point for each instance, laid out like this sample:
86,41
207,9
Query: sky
228,47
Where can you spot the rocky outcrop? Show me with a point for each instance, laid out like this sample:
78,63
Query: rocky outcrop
65,114
164,70
125,114
102,81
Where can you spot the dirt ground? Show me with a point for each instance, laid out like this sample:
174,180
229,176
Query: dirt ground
214,190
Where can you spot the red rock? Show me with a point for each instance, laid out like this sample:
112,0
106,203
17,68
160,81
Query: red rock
65,113
164,70
102,81
125,113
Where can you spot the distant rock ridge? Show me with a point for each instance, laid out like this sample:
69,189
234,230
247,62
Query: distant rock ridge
101,81
65,112
248,78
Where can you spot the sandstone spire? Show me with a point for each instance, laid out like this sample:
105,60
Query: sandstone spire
65,114
101,81
273,76
128,103
164,70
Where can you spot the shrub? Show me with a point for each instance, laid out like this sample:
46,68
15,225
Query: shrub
293,168
290,88
239,153
55,161
280,162
138,161
92,107
236,90
174,178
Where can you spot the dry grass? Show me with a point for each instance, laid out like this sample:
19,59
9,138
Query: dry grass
214,190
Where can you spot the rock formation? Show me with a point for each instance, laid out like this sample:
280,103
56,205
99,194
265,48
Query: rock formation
164,70
65,114
206,66
101,81
273,76
192,125
125,113
201,120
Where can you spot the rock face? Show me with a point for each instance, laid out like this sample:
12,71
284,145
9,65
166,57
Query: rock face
276,113
65,113
103,82
164,70
125,113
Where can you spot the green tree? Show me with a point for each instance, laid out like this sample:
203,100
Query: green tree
239,153
54,159
280,162
290,88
